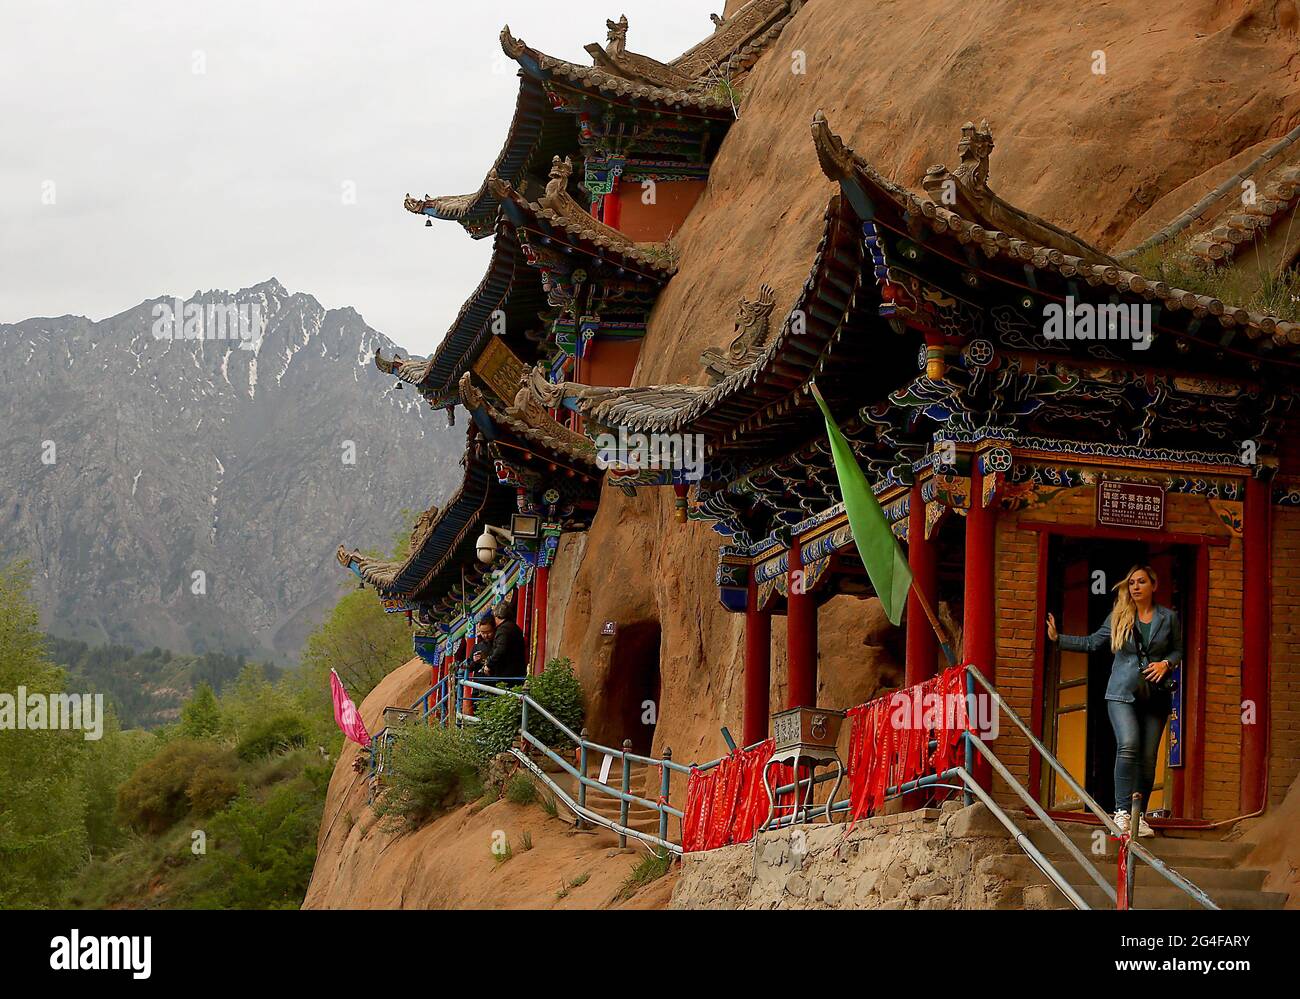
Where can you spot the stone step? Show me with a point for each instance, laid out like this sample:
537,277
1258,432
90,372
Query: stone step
1173,898
1206,878
1173,850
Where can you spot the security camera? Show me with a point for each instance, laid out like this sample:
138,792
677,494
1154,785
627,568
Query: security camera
487,548
489,541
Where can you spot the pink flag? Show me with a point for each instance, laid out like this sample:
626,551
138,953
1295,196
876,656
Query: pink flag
346,714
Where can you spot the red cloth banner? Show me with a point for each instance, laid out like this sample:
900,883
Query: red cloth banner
890,737
726,803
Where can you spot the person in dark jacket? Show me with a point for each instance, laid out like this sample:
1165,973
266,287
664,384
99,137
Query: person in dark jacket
500,652
1147,641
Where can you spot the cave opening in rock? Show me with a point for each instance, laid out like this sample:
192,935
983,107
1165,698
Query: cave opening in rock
633,688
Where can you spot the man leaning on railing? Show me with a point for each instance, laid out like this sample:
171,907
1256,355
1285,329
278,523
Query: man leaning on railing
500,654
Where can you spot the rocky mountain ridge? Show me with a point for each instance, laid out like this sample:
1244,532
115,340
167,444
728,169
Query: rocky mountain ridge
185,483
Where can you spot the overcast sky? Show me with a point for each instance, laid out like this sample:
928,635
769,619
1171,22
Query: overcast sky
159,147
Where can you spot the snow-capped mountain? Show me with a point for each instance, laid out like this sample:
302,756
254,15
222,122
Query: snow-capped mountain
170,440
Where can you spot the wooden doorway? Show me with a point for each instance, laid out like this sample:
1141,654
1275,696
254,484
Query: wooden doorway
1081,571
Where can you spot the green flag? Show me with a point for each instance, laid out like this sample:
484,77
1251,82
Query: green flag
878,548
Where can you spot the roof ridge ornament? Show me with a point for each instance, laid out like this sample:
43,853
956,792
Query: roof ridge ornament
752,333
966,191
960,196
558,182
615,58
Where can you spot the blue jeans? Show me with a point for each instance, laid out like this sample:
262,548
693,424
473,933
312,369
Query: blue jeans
1138,728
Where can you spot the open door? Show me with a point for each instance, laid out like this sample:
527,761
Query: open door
1076,725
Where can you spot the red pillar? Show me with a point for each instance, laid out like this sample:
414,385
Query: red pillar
539,618
467,705
800,636
613,209
922,642
1256,598
521,608
758,669
979,643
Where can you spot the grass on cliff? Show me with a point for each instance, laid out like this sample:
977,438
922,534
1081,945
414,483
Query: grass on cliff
650,869
1238,285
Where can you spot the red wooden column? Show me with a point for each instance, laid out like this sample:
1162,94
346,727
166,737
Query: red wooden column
467,704
612,210
1256,598
539,617
922,558
979,641
800,635
521,608
758,668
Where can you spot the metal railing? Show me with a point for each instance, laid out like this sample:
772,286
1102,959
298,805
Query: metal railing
447,699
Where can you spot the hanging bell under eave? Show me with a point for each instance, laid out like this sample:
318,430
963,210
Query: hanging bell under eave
679,503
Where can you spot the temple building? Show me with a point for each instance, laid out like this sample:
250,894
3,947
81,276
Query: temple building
600,166
1032,411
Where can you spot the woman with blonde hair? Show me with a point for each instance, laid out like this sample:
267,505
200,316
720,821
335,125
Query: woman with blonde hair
1147,641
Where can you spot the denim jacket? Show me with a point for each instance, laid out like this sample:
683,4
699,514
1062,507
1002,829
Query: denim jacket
1125,673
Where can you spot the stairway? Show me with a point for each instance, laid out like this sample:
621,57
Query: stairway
644,782
1210,863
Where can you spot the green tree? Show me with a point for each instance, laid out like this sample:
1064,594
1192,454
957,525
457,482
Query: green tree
201,715
43,839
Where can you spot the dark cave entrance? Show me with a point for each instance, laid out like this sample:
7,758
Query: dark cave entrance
633,688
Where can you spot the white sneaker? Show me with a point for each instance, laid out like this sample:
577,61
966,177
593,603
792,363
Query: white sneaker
1145,830
1121,819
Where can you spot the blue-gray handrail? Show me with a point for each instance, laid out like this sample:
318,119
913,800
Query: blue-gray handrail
445,699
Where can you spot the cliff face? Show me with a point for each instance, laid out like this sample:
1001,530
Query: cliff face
1190,91
448,863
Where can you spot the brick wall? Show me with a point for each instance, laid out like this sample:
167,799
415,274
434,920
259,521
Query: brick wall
1018,624
1284,749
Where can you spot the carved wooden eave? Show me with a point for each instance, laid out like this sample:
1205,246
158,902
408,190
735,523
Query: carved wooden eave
442,542
602,83
841,163
769,395
382,573
688,83
737,41
412,370
557,208
379,573
509,285
536,133
528,420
